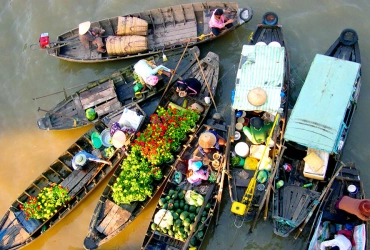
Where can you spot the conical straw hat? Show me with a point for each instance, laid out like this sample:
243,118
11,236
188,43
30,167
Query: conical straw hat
83,27
207,140
257,96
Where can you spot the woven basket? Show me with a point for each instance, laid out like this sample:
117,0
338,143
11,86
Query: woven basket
129,26
126,45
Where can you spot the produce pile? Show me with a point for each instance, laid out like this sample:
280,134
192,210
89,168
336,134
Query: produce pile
179,210
148,151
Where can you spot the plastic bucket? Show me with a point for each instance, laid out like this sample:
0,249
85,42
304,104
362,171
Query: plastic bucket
96,141
242,149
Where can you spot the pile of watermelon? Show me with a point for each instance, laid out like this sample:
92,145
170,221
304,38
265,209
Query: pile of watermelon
183,216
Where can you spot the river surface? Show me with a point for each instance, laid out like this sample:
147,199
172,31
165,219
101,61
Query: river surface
310,27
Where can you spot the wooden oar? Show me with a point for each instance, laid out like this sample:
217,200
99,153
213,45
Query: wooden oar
205,80
316,203
65,116
224,163
265,198
62,91
174,72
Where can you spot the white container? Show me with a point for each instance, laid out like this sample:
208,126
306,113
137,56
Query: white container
207,99
237,135
241,120
242,149
239,126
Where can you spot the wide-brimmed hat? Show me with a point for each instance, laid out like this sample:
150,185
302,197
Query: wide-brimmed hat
152,80
257,97
256,122
207,140
83,27
118,139
80,159
365,208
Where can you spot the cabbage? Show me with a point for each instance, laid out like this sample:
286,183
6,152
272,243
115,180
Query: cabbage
163,218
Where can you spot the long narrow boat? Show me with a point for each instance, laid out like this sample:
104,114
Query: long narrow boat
190,221
110,217
316,132
17,230
264,64
329,217
110,93
164,28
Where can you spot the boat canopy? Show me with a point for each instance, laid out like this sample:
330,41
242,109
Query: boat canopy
317,119
260,66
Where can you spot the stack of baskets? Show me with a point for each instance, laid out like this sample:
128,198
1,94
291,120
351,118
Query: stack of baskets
131,37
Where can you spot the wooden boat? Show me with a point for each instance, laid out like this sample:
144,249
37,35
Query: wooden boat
18,231
328,216
110,93
168,28
268,46
102,228
315,136
190,221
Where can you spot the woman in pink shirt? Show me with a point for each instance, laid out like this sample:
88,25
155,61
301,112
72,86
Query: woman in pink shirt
195,177
219,22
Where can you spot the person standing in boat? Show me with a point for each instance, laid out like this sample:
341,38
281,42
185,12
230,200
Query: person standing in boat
91,35
190,86
219,22
147,72
80,159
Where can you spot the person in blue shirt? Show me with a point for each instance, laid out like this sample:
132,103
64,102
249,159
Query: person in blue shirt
80,159
190,86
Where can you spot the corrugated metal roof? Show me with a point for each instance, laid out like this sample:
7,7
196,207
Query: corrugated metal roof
260,66
318,114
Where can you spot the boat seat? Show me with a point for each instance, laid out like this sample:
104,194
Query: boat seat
98,95
114,217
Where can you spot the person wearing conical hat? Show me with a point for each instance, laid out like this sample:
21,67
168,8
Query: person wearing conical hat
90,36
210,140
79,161
258,131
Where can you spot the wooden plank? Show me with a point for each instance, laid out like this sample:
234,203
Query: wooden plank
77,185
103,86
108,218
107,206
107,107
98,98
119,219
76,176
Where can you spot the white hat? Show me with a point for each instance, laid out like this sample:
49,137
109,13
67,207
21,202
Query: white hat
257,96
80,159
118,139
83,27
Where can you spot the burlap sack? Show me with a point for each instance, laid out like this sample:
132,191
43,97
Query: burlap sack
129,26
126,45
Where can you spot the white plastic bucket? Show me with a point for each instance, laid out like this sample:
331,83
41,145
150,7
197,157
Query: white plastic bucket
242,149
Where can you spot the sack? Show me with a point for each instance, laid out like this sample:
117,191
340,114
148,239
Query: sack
128,26
126,45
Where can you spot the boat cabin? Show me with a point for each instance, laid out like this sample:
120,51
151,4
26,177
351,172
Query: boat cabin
324,109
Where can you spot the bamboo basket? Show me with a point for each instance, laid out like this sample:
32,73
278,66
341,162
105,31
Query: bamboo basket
129,26
126,45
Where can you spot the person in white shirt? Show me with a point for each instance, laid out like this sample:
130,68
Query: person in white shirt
147,72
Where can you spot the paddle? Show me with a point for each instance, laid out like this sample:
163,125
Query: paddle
174,72
63,91
205,80
318,201
224,162
65,116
